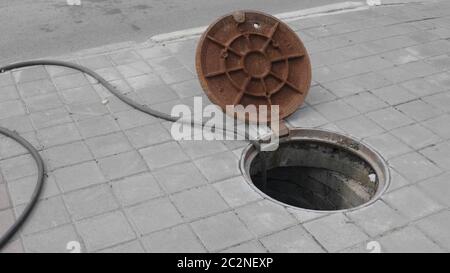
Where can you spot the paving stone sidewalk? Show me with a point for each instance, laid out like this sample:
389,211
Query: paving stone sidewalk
118,182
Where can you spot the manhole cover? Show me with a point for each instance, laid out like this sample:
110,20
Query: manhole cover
318,170
251,58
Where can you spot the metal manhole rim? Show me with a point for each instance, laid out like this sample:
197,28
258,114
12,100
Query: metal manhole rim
382,163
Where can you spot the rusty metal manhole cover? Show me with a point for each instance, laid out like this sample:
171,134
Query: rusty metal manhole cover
249,57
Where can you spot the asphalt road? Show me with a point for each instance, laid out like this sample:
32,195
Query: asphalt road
39,28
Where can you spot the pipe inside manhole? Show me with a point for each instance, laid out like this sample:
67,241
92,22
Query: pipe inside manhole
318,170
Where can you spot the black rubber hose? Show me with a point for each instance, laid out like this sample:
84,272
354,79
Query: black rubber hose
141,107
4,239
35,154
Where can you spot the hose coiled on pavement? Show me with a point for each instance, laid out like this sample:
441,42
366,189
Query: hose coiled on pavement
4,239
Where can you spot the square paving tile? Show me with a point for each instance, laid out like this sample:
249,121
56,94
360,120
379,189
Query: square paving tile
78,176
291,240
90,202
377,218
221,231
408,239
394,94
336,110
219,166
265,217
122,165
388,145
389,118
163,155
416,136
105,230
135,189
179,239
199,202
412,202
437,227
419,110
439,154
414,167
67,154
111,144
144,215
51,241
236,191
179,177
335,232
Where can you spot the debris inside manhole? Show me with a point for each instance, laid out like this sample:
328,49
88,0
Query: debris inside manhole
317,171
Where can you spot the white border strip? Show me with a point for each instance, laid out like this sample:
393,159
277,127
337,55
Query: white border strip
287,17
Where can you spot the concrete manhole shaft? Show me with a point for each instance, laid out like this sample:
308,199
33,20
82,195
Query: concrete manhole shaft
318,170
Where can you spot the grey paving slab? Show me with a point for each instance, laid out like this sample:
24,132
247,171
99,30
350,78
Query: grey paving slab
360,126
163,155
388,145
435,125
30,74
335,232
437,227
129,247
221,231
18,167
7,219
90,202
70,81
390,118
218,167
135,189
8,92
236,191
377,218
79,176
265,217
416,136
439,154
143,215
107,145
11,108
179,177
35,88
97,126
408,239
412,202
48,214
174,240
294,239
60,134
199,202
336,110
51,241
105,231
67,154
122,165
50,117
307,117
20,190
148,135
248,247
365,102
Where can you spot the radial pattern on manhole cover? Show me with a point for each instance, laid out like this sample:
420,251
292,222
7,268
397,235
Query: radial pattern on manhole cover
248,57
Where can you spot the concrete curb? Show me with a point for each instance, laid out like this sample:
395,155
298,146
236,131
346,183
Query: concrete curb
287,17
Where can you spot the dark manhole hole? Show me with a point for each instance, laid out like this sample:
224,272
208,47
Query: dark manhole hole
318,170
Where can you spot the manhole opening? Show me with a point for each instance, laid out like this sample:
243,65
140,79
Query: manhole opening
328,173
